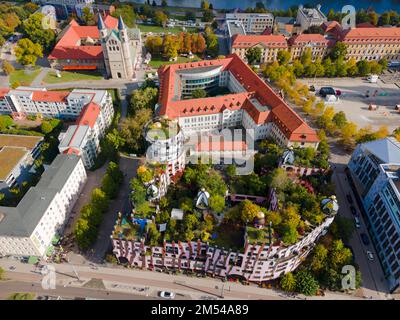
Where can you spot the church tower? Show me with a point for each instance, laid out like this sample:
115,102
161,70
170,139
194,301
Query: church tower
103,35
126,52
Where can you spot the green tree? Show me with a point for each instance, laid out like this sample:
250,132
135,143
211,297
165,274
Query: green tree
249,211
153,234
288,282
199,93
339,119
339,50
160,18
99,199
2,272
253,55
138,194
306,283
217,203
27,52
5,122
364,68
279,179
33,29
283,57
46,127
205,5
298,68
171,46
319,258
127,14
143,98
21,296
7,67
339,255
88,17
208,16
329,67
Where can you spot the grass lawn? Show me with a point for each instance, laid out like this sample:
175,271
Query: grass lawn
158,29
157,62
25,77
67,76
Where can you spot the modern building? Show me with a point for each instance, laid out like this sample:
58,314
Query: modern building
17,155
232,28
269,45
317,43
83,139
24,101
28,228
236,97
372,43
375,172
109,47
310,17
252,22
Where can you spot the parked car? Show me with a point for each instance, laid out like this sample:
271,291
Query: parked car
364,239
167,295
338,92
370,256
357,222
373,78
324,91
353,210
349,198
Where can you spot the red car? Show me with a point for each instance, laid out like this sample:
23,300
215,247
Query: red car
338,92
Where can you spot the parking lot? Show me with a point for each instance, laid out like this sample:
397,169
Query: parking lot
355,103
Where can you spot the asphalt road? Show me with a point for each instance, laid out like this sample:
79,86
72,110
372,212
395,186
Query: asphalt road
373,282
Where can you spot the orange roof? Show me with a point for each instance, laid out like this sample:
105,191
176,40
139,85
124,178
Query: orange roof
3,92
68,47
246,41
301,39
286,119
221,145
89,115
371,34
49,96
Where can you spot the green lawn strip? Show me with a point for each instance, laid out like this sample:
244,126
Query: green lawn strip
24,77
67,76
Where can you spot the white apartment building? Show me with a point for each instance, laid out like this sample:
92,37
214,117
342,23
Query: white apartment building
83,139
309,17
25,101
252,22
28,228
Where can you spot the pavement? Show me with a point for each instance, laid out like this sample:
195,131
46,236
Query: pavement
99,278
354,103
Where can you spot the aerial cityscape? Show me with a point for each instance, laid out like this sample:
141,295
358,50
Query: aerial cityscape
158,151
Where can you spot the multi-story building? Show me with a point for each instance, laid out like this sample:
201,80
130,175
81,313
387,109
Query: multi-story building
24,101
252,22
17,155
372,43
28,228
375,171
255,263
83,139
109,47
250,102
309,17
284,26
269,45
315,42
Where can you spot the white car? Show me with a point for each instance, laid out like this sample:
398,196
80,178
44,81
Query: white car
370,256
357,222
373,78
167,295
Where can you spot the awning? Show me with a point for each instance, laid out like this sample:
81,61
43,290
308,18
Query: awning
79,67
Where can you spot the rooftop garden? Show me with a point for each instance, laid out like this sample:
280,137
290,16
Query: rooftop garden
162,129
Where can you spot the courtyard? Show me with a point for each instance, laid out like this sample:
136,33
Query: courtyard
354,103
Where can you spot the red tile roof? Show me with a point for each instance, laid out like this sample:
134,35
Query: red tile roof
304,38
247,41
222,145
89,115
3,92
68,46
380,35
294,128
49,96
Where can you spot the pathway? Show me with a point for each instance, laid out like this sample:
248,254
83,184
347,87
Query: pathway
39,78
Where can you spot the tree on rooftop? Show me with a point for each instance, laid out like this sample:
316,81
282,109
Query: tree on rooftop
288,282
339,255
249,211
253,55
279,179
153,234
318,258
199,93
217,203
306,283
27,52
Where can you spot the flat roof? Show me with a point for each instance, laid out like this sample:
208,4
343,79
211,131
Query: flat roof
9,158
235,27
13,148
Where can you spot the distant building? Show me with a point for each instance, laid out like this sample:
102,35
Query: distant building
234,27
252,22
310,17
375,171
300,43
109,47
269,45
28,228
284,26
17,154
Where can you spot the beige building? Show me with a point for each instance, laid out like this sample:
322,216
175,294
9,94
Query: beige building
253,22
270,45
372,43
310,17
300,43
